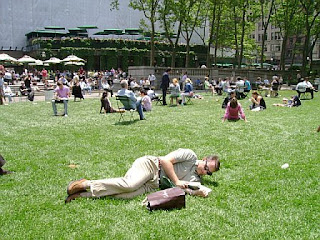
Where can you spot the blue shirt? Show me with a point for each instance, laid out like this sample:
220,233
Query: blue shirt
188,88
130,94
247,85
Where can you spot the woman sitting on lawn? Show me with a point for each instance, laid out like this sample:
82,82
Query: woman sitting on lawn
258,102
145,100
234,111
105,104
175,91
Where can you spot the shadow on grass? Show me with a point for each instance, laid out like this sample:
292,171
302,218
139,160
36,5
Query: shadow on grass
207,182
123,123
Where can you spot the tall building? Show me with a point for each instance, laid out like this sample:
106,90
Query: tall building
18,17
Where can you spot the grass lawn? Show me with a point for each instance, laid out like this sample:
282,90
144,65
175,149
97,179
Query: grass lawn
252,197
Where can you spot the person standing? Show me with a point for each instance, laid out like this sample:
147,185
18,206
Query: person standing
44,75
1,88
165,81
152,78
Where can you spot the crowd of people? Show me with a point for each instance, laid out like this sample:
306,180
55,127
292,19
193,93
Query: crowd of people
142,92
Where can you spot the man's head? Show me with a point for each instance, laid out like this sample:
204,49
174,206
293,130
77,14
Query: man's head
209,165
255,94
143,92
60,84
124,84
232,94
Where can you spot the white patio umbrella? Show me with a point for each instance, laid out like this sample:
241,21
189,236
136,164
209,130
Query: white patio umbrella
74,63
36,63
6,58
53,60
73,58
26,59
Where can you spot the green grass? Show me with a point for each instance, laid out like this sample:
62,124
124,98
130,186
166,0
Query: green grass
252,198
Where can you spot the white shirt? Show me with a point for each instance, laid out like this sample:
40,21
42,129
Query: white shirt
7,90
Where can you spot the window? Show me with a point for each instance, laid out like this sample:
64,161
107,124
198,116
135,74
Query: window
277,48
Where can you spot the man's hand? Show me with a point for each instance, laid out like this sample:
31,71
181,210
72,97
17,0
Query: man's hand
181,184
200,193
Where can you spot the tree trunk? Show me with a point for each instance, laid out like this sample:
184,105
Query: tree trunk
188,51
242,36
236,35
283,51
152,52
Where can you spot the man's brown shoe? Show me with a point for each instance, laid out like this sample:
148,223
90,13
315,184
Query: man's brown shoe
76,186
73,197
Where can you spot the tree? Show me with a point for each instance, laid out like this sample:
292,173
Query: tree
267,9
149,9
311,10
171,21
190,13
286,17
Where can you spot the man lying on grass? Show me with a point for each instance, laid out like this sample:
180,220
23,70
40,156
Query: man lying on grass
146,174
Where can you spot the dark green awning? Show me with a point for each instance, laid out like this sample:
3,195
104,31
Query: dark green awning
114,31
132,31
77,30
55,27
88,27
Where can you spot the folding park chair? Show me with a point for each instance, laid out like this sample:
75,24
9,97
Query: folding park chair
159,99
123,103
303,92
189,99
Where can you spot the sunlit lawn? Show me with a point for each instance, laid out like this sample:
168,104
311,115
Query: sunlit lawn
252,197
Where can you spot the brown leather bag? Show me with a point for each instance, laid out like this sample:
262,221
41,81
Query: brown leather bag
166,199
2,161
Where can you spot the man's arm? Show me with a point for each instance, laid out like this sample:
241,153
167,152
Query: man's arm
167,165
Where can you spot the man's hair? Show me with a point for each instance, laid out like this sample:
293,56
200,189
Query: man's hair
255,93
168,70
59,83
233,103
124,83
215,160
143,91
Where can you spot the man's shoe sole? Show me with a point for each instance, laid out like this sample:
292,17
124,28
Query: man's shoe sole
73,196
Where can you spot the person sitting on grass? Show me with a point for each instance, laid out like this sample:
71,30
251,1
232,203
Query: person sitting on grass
106,104
175,91
145,101
146,174
34,89
23,89
134,103
293,102
228,98
234,111
61,95
258,102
